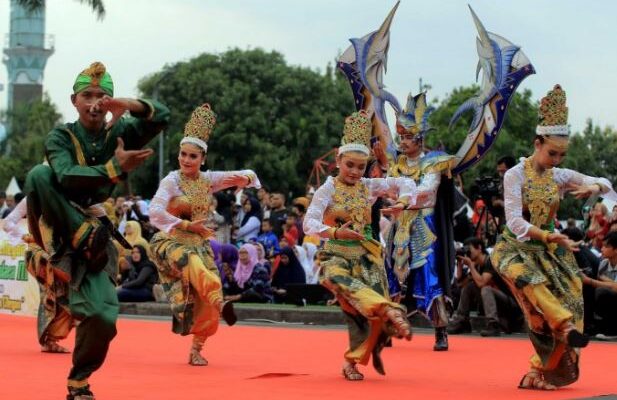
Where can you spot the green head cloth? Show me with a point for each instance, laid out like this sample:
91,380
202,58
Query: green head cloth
95,75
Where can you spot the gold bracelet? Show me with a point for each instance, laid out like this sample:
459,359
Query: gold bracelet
184,225
403,200
250,179
545,235
331,232
335,230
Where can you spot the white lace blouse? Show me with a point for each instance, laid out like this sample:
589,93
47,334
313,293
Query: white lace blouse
513,197
313,220
169,188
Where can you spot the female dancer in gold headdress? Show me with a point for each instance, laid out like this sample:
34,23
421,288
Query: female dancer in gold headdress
535,261
182,249
352,262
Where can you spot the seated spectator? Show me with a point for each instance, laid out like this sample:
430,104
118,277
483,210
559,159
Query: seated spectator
142,276
268,239
261,256
251,221
289,270
227,266
290,230
599,225
10,203
500,308
606,289
299,207
251,277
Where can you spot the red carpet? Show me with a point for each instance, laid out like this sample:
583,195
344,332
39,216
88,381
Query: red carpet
147,361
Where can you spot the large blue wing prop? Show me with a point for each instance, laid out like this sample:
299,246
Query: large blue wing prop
504,66
364,64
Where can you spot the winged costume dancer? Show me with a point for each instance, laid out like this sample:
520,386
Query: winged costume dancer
420,254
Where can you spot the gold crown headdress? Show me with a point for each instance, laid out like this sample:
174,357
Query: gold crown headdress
198,129
553,114
357,133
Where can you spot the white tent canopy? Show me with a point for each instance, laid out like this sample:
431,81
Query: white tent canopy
13,188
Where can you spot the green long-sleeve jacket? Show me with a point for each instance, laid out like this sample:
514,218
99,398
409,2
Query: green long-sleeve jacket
84,163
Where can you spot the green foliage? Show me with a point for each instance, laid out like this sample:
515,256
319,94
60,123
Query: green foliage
24,145
271,117
593,153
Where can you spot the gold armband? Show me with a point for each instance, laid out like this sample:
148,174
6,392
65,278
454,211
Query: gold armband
249,178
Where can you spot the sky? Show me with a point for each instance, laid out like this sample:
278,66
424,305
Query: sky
571,42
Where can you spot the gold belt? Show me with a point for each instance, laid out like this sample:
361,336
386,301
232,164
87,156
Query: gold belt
186,237
345,250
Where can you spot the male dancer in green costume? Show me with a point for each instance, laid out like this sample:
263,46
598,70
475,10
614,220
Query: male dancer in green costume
86,160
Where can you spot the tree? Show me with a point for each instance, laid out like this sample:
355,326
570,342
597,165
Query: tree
34,6
271,117
24,146
592,152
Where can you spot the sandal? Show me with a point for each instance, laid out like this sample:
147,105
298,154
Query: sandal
82,393
534,380
351,373
52,346
400,322
196,359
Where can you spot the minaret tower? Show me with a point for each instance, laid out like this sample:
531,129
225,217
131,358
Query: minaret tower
25,54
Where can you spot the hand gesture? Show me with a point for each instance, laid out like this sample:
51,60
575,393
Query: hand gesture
582,191
236,180
380,154
345,233
130,159
200,228
117,108
563,241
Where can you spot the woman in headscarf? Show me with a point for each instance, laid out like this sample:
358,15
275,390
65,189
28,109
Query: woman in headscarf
251,221
289,271
182,247
261,255
141,278
252,277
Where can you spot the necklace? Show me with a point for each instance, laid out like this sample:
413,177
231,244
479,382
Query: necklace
197,191
354,200
540,192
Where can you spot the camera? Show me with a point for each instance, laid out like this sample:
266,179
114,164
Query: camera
488,187
463,252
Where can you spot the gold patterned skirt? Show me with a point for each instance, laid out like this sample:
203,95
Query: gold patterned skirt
358,280
547,286
191,281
